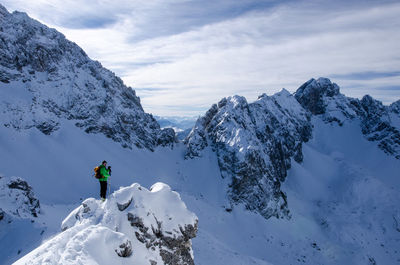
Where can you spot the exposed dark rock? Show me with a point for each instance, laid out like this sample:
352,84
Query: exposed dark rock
311,94
173,250
125,249
254,144
167,137
123,206
26,195
322,98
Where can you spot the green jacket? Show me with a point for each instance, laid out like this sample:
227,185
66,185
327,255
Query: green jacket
104,172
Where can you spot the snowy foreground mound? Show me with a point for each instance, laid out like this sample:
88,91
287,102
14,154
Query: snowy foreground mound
133,226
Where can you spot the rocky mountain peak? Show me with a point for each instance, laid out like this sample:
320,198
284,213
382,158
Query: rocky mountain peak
254,144
312,93
3,12
371,105
321,97
395,107
45,78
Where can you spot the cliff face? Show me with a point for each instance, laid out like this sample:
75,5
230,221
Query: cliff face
254,144
378,123
45,79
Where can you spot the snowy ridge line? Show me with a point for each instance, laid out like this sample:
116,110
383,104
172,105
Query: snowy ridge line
135,226
378,123
45,78
255,142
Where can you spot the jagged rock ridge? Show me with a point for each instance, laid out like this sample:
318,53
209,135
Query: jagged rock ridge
45,78
254,144
378,123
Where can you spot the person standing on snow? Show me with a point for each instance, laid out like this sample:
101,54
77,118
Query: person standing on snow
105,174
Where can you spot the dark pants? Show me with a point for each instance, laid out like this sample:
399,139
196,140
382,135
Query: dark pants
103,189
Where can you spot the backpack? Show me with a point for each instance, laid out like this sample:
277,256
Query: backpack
97,173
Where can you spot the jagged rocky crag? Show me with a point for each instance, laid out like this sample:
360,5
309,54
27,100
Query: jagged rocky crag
255,142
17,199
378,123
45,78
138,225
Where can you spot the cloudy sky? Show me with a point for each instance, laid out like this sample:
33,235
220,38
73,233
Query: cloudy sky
181,56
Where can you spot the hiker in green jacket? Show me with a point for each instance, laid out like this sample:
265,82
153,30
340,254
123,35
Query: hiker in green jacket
105,174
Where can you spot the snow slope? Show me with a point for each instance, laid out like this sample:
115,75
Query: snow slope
342,197
344,208
59,168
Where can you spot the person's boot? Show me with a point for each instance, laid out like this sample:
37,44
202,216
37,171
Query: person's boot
103,199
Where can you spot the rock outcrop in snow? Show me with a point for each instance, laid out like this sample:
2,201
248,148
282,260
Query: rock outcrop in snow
254,144
44,78
17,199
378,123
133,226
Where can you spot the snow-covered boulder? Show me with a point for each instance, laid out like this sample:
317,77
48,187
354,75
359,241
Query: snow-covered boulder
17,199
45,79
254,144
134,226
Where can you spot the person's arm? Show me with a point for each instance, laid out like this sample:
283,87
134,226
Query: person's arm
104,172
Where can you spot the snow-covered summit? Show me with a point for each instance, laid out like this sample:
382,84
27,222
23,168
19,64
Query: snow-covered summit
254,144
135,225
378,122
45,79
311,94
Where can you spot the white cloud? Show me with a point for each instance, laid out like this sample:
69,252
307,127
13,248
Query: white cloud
182,73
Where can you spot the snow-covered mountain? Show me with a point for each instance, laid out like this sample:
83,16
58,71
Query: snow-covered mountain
256,142
326,165
378,122
46,79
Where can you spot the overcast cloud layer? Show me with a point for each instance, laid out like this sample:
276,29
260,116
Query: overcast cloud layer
181,56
